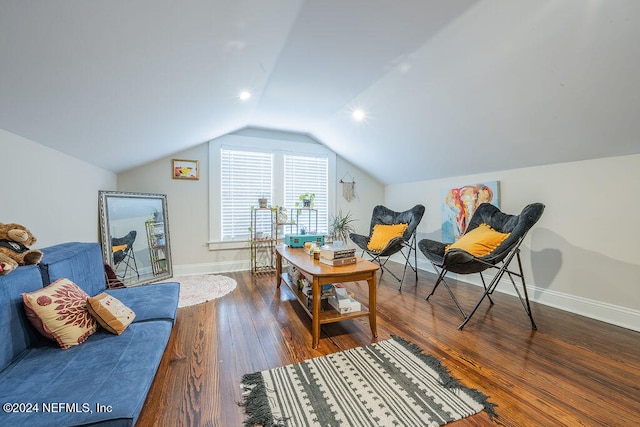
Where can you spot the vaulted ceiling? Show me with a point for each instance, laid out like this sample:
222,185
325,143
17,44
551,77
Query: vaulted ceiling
448,87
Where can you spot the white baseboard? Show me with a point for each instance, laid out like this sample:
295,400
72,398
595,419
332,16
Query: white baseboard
211,268
608,313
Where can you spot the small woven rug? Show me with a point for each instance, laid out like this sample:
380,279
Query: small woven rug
202,288
390,383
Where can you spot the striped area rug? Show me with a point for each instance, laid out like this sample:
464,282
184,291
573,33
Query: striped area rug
390,383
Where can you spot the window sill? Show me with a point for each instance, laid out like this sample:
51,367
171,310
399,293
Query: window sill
228,245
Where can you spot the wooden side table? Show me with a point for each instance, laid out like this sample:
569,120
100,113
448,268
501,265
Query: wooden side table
324,274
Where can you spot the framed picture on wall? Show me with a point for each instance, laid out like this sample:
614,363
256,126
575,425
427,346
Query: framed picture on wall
459,204
185,169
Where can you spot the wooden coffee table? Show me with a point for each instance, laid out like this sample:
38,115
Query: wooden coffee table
323,274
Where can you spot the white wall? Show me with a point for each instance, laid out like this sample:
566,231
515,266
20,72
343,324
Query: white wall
582,256
51,193
188,203
369,193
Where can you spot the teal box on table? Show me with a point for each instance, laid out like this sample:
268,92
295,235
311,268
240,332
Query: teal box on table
298,240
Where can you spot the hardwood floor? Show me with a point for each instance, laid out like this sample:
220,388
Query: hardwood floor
571,371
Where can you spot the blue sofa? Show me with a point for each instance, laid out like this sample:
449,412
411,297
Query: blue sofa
103,381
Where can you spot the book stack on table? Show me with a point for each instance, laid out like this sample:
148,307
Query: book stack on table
337,255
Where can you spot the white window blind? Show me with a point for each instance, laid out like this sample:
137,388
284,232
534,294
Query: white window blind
245,176
307,174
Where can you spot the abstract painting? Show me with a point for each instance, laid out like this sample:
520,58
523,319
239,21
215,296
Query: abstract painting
185,169
459,204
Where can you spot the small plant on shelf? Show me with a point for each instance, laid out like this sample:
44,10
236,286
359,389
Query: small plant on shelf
306,200
262,202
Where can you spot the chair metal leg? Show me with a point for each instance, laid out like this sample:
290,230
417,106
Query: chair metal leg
525,303
407,257
415,258
399,279
486,292
494,283
135,264
485,287
127,260
378,260
404,273
440,279
407,262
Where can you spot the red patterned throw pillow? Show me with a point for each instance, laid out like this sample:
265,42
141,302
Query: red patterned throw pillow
59,313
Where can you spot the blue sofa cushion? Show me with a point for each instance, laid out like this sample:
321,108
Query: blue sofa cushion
16,333
114,371
150,302
79,262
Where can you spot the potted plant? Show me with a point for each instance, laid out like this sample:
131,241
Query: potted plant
340,226
306,199
262,201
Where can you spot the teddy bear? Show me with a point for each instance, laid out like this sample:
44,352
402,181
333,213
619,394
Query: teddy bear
15,240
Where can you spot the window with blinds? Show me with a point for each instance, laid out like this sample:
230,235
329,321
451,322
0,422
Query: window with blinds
307,174
245,176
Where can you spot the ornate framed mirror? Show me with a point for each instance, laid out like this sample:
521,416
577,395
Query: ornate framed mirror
134,233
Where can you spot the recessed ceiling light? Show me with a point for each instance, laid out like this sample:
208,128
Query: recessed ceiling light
358,115
244,95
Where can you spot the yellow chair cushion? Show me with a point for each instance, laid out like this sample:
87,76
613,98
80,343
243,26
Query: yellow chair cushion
118,248
382,235
480,241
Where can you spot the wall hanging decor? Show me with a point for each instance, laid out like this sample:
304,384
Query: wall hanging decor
348,187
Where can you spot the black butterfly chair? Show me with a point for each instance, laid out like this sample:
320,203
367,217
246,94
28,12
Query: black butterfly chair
462,262
123,254
405,244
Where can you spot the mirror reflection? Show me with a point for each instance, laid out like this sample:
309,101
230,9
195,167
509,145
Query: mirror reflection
135,236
